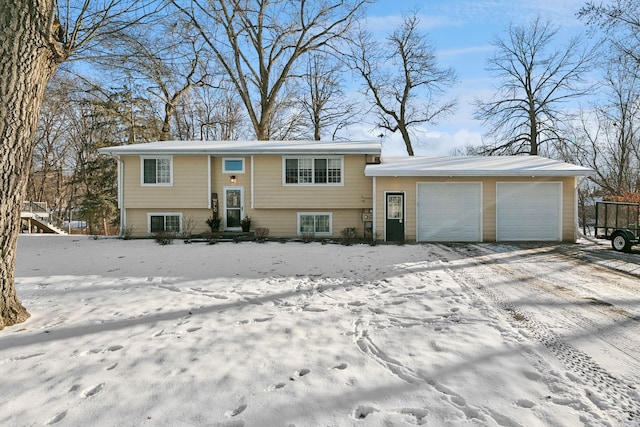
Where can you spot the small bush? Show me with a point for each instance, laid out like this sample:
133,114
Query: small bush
211,236
348,236
127,233
261,234
164,237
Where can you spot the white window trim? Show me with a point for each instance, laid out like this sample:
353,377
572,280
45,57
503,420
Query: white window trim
312,184
162,184
329,214
165,214
224,170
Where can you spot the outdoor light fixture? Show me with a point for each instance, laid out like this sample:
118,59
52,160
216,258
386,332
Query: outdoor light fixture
233,179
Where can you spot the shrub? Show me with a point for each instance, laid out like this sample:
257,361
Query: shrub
261,234
214,223
164,237
348,236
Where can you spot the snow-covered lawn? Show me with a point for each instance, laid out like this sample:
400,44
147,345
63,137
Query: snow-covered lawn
130,333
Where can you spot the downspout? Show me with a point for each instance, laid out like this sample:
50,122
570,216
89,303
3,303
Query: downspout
252,181
209,181
375,210
123,216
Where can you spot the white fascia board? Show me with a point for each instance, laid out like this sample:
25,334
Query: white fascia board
475,166
476,173
245,148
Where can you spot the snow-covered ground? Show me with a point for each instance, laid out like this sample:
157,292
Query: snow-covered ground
130,333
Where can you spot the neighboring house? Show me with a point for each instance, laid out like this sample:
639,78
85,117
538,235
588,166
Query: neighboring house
321,188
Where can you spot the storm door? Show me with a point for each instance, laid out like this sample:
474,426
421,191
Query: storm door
233,207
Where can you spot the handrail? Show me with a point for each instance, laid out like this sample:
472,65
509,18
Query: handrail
37,209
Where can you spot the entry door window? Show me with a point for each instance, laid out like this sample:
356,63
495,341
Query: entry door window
233,207
394,206
395,218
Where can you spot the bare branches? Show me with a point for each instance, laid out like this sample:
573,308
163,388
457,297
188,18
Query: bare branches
403,78
534,81
77,28
259,44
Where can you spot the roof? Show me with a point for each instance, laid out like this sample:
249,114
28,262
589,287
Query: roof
245,148
475,166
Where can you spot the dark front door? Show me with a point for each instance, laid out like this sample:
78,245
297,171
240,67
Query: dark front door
395,217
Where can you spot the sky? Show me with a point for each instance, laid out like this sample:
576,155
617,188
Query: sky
461,32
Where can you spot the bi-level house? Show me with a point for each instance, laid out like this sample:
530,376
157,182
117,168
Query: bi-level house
297,188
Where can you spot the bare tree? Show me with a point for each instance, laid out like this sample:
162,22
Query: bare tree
621,22
535,82
170,60
323,101
259,44
42,34
403,78
609,139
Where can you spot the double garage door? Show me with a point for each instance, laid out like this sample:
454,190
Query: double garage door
453,212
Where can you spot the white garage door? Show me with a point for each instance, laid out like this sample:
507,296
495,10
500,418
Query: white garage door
449,212
529,211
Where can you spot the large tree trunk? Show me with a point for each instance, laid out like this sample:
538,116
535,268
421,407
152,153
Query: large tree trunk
27,64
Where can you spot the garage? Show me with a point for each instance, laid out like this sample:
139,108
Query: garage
449,211
529,211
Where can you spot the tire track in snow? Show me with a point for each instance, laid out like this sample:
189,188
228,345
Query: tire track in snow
613,396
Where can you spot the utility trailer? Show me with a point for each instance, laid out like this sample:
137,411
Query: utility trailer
618,222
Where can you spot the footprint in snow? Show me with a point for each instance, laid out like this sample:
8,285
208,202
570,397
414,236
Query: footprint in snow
92,391
363,412
341,366
237,411
57,418
277,386
300,373
303,372
115,348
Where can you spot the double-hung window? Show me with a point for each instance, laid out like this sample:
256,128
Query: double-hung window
316,223
319,170
157,171
164,222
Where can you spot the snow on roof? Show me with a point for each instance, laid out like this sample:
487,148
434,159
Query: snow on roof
475,166
245,148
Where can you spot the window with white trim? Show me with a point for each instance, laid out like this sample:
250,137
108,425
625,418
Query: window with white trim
157,170
233,165
316,223
158,222
313,170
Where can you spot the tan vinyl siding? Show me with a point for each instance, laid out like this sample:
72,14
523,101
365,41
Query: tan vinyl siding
270,192
280,222
189,189
138,225
408,185
220,179
283,222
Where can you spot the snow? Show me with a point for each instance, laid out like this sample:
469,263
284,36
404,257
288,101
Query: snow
246,147
475,166
132,333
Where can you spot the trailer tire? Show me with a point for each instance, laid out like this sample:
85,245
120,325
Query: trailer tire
620,241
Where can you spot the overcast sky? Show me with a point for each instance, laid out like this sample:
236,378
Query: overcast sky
461,32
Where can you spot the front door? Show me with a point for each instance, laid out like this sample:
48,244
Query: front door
394,225
233,207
